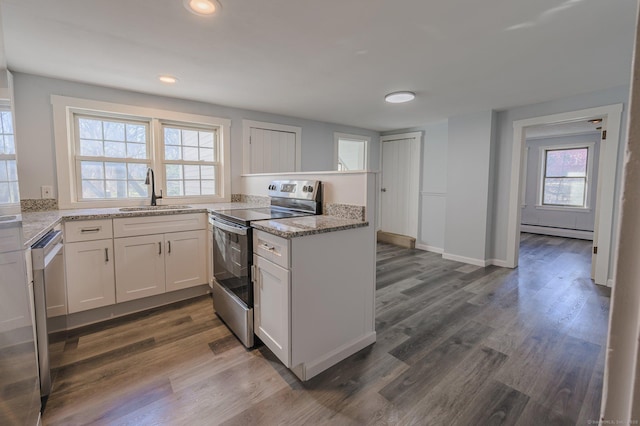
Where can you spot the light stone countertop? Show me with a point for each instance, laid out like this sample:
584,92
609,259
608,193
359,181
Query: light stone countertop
306,225
36,224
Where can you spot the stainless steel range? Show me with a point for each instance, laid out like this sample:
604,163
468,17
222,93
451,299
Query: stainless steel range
233,247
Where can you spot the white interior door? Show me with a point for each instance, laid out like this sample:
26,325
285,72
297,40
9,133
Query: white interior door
400,189
272,151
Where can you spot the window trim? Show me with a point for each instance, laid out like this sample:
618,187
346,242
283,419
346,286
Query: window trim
6,106
353,137
541,176
64,109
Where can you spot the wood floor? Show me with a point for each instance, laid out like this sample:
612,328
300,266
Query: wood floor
457,345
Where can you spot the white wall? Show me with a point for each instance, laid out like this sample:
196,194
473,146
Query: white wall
468,187
566,219
504,143
36,166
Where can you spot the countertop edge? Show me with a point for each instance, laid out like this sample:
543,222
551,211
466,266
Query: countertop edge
306,232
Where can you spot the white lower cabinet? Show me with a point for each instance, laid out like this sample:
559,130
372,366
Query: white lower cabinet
140,267
90,274
153,264
272,307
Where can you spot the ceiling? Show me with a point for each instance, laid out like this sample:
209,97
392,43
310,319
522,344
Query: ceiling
332,60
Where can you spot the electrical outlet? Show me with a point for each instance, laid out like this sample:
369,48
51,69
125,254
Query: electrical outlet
47,191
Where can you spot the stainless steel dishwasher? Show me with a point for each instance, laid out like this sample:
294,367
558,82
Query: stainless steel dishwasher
48,268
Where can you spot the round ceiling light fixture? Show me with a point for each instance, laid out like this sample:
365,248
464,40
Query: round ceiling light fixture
202,7
400,97
168,79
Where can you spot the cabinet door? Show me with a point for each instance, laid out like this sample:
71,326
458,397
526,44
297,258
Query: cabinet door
140,270
90,274
272,307
185,259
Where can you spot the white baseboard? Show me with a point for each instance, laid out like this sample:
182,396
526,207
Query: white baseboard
499,262
469,260
610,282
310,369
557,232
433,249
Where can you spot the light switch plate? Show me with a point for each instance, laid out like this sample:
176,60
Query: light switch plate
46,191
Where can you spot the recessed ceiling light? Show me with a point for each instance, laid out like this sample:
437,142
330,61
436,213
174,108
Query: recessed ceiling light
596,121
400,97
169,79
202,7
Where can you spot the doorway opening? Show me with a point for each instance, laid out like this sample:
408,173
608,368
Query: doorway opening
605,188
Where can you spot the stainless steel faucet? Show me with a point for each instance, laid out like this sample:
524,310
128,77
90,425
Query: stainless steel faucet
151,180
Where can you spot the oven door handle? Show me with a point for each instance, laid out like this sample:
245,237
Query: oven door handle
234,229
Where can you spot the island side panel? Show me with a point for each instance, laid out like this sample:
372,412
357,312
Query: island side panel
332,298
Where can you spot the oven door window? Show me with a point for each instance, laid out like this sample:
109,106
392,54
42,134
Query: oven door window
231,266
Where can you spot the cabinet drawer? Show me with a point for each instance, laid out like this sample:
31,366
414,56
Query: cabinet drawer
148,225
271,247
88,230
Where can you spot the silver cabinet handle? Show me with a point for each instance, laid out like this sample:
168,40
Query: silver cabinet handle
169,244
106,254
267,247
159,248
87,230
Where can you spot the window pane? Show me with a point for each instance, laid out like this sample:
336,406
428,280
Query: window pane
191,172
3,171
173,171
136,133
171,136
137,171
564,191
174,188
90,129
137,189
206,139
91,147
566,163
115,189
7,122
191,187
190,137
14,196
351,154
137,150
208,187
9,145
190,153
116,171
172,152
12,170
5,193
208,172
115,149
206,154
91,170
93,189
113,131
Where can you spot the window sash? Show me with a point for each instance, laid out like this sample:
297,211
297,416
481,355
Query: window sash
547,178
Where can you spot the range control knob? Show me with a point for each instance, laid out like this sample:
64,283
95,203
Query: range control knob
304,188
310,188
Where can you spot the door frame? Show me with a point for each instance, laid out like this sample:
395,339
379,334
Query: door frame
606,175
389,138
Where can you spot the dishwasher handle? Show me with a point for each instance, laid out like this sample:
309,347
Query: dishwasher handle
46,249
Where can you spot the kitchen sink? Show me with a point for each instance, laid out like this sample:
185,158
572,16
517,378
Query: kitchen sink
152,208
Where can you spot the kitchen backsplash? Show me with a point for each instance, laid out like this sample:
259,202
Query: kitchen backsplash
345,211
29,205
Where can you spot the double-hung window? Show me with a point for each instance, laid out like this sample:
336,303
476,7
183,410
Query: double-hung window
104,151
8,170
190,160
565,177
